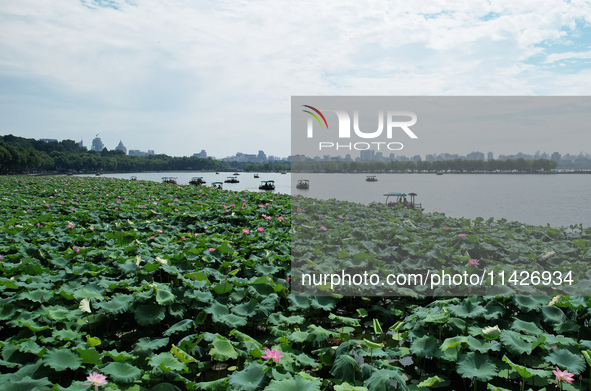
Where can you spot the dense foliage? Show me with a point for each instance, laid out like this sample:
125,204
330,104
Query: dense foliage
165,287
22,155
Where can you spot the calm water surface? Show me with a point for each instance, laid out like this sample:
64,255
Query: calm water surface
558,200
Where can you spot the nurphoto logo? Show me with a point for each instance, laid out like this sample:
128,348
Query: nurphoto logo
392,119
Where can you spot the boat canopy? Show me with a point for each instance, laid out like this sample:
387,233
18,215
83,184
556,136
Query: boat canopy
267,181
395,195
216,183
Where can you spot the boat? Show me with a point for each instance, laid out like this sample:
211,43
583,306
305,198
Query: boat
231,179
303,184
216,185
133,178
98,174
217,172
169,179
371,178
438,173
236,173
197,181
256,175
267,185
284,172
403,201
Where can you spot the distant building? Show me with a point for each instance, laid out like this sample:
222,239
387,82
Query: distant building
97,144
48,140
262,156
121,147
367,155
490,156
150,152
475,156
201,154
556,156
136,152
81,144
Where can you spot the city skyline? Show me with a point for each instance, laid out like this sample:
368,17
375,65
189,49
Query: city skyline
199,76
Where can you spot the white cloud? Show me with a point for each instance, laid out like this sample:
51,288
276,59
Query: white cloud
219,75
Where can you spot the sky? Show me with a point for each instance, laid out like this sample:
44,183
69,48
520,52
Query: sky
179,76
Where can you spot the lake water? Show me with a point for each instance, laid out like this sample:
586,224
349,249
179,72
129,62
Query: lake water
558,200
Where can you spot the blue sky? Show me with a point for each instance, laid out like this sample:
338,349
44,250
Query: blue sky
181,76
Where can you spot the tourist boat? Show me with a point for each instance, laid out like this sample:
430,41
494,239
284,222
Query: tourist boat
133,178
216,185
284,172
231,179
303,184
371,178
267,185
98,174
256,175
403,201
169,179
197,181
439,173
236,173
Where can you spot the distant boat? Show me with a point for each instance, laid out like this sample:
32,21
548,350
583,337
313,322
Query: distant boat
371,178
169,179
216,185
236,173
401,200
133,178
256,175
231,179
197,181
303,184
439,173
284,172
267,185
98,174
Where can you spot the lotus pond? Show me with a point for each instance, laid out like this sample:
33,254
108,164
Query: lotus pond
165,287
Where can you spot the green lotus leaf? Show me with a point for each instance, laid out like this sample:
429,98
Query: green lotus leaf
296,383
482,346
121,356
563,358
166,362
118,304
553,315
467,309
147,344
298,336
380,380
452,342
529,303
526,372
347,387
163,387
89,356
67,335
299,302
38,295
122,372
223,287
425,346
232,320
526,327
164,296
250,378
181,355
476,365
222,349
183,325
326,303
430,382
344,368
30,346
587,355
26,384
491,332
215,385
517,343
62,359
93,293
149,314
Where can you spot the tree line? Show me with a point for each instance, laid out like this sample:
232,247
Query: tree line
21,156
456,165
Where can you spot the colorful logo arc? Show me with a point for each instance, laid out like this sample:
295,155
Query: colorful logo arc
315,116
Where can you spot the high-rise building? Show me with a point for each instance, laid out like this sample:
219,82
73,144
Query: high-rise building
490,156
97,144
121,147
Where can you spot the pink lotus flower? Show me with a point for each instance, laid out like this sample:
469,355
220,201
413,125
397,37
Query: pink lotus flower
273,354
159,231
245,231
70,226
143,206
281,218
152,237
211,249
183,238
323,228
445,227
563,376
38,224
299,210
474,262
462,235
96,379
1,257
260,229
